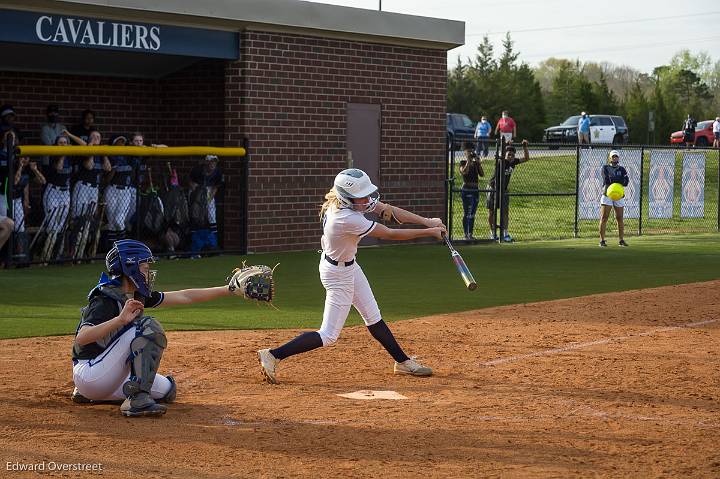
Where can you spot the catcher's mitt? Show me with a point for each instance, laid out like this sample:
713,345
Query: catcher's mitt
252,282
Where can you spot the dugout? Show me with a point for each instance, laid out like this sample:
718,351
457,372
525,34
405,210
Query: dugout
311,87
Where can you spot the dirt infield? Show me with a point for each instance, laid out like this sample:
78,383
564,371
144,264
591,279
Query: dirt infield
613,385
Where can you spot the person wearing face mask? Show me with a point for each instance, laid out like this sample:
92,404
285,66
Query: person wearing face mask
52,128
482,137
613,173
506,127
583,132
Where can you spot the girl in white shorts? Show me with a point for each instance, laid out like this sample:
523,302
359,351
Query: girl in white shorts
344,225
613,173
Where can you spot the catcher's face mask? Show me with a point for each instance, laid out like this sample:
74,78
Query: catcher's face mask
367,204
149,274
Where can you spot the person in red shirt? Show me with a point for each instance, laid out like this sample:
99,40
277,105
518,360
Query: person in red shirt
506,127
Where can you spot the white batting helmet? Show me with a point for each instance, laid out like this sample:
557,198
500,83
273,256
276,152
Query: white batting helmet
354,184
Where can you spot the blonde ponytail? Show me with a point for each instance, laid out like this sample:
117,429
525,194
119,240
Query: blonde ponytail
331,201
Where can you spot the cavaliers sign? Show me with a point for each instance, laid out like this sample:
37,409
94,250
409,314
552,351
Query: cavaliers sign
81,32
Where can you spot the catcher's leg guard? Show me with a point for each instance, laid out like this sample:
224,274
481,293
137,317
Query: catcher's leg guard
146,351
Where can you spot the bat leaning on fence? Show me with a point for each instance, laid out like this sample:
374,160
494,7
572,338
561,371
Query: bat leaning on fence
97,225
462,268
42,228
51,237
87,220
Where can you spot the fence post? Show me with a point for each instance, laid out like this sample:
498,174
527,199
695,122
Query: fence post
9,197
448,187
577,188
642,162
717,209
246,196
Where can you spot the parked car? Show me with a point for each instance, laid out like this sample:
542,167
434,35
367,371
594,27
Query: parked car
607,129
703,134
460,128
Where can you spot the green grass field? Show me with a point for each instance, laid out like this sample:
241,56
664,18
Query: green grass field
554,217
408,281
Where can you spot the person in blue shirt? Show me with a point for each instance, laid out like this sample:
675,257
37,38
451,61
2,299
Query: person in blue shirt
584,129
482,137
613,173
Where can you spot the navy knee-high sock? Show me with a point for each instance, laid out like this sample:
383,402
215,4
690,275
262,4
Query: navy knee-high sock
384,336
305,342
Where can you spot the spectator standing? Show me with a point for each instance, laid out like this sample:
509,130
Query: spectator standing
208,177
613,173
584,129
52,128
88,175
21,199
482,137
471,171
716,132
120,195
87,125
498,199
56,198
506,127
6,224
7,122
689,131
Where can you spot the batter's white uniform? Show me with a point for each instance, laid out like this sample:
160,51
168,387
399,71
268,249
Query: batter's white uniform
345,284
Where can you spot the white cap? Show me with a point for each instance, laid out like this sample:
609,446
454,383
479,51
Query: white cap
614,153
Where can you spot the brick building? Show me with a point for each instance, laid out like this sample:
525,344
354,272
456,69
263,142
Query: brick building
312,87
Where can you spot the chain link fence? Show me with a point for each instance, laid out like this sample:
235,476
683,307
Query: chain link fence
556,192
88,203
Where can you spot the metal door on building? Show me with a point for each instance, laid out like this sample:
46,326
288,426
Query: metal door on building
363,143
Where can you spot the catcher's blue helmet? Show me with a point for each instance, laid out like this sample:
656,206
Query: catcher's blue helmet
125,257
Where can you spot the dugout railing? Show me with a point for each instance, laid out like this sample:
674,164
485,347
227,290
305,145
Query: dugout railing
556,194
177,218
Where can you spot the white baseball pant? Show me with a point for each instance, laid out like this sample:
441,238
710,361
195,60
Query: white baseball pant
345,286
119,206
57,201
83,195
102,378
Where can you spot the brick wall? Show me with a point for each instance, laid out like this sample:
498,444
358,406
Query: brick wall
290,94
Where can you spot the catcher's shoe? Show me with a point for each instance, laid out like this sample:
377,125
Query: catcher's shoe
412,368
79,398
268,363
141,404
170,396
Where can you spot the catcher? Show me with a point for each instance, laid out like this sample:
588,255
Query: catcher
117,347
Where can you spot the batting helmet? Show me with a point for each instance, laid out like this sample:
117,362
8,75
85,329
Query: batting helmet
125,257
354,184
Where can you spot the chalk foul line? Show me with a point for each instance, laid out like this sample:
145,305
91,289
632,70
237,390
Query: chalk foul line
614,339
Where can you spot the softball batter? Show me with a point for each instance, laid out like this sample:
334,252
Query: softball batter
117,348
344,225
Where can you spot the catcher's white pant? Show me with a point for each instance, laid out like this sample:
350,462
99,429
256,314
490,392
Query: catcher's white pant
19,215
119,207
56,203
83,195
345,286
102,378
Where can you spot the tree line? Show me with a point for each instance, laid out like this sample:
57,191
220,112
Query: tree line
558,88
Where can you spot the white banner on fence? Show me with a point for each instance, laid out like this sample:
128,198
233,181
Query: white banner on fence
632,161
590,182
692,201
661,185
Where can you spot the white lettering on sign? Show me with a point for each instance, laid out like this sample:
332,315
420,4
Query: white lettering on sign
76,31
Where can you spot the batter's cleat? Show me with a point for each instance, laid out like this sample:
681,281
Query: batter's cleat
79,398
268,363
412,367
603,244
141,404
623,243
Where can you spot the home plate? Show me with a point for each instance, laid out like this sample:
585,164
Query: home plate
368,394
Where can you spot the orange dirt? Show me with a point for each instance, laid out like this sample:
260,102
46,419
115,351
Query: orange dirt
642,400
